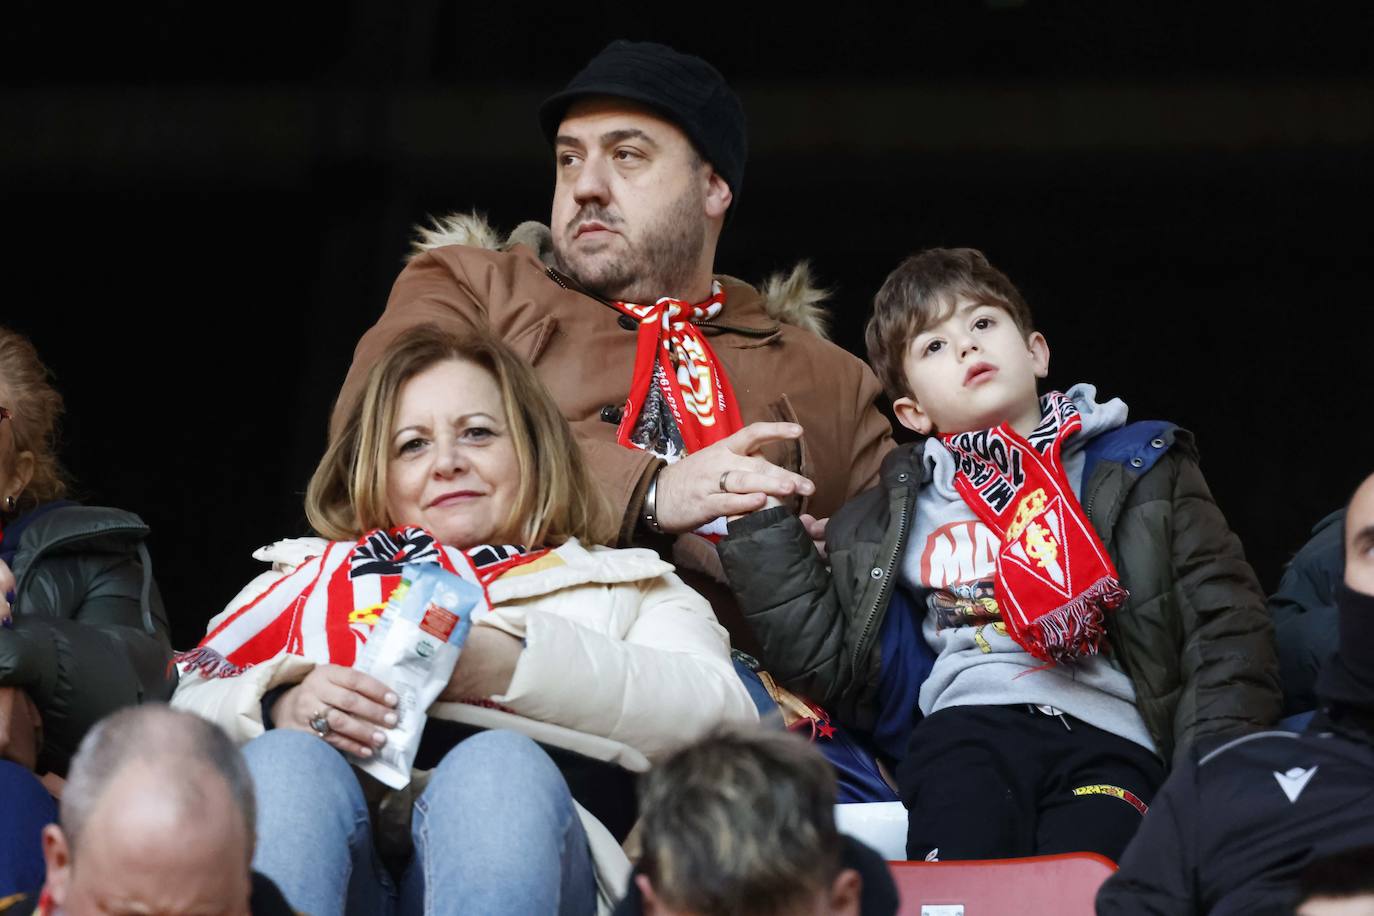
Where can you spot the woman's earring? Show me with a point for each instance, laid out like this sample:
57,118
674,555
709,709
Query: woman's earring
9,503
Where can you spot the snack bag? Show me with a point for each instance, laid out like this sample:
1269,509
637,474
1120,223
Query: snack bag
413,649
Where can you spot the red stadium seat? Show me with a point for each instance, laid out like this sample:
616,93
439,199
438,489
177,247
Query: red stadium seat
1064,885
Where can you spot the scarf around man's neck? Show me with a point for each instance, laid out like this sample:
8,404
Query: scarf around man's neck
1054,581
680,400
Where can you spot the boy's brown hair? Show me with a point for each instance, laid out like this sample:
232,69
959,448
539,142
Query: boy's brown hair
923,291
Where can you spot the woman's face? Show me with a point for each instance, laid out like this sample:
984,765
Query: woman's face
452,466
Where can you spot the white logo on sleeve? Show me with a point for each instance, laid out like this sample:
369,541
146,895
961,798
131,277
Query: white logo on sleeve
1294,781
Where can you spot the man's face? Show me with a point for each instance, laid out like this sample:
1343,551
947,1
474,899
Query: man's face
1359,539
142,853
630,201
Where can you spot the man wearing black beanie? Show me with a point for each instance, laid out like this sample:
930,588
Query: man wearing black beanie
1233,832
694,396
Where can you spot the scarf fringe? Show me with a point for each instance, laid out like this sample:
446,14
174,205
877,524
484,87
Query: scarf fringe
208,663
1076,629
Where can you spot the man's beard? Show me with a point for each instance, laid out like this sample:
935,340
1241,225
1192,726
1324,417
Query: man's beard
662,262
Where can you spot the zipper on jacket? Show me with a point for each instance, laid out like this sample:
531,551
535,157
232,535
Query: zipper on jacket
861,646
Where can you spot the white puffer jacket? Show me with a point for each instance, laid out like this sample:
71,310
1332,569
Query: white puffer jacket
595,621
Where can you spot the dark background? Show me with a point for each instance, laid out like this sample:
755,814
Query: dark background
206,205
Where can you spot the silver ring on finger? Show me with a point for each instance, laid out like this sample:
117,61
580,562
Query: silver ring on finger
319,723
721,483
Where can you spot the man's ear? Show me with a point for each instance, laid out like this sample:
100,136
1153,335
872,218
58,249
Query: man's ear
718,195
57,856
651,906
910,415
1040,353
846,893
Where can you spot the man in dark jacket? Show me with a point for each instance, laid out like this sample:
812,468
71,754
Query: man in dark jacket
1304,613
1232,832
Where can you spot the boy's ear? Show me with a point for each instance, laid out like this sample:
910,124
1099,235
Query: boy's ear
910,415
1040,353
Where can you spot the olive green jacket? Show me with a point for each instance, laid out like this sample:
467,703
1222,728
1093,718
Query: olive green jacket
1194,637
90,634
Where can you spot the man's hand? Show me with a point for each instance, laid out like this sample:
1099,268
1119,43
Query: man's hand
7,587
726,479
21,727
357,707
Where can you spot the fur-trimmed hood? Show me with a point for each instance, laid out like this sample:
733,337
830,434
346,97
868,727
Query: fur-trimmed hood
791,298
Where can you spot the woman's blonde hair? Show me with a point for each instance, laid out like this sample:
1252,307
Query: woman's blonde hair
557,498
35,408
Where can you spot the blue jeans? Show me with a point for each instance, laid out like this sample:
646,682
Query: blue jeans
28,808
495,831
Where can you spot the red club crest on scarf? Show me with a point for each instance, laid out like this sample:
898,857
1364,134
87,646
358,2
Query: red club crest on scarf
1054,580
674,357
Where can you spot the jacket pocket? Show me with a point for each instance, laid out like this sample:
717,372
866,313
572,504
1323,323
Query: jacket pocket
530,342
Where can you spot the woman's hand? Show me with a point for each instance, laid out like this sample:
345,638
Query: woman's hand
356,706
21,727
7,587
485,667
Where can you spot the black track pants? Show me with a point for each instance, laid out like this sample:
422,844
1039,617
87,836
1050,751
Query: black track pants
992,782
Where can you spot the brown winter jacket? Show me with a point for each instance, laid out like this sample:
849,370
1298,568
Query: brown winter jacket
770,343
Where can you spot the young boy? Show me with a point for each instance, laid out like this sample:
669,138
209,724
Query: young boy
1049,590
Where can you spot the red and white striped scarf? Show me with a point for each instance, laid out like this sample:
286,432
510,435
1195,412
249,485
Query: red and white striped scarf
326,608
674,356
1054,580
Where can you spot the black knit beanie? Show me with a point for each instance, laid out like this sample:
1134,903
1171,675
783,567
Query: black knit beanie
685,89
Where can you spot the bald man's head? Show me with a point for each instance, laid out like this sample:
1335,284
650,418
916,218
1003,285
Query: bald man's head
157,817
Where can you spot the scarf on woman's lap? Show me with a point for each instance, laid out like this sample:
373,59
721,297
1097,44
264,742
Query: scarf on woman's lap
1054,580
325,609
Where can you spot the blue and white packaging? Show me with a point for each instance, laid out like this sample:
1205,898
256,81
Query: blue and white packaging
413,650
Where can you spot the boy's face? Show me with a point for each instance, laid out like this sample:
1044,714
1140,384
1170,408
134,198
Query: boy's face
973,370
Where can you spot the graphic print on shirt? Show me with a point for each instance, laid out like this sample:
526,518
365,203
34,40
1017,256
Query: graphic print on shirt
957,564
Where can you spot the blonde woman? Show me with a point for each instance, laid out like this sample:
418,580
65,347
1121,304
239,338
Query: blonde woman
601,652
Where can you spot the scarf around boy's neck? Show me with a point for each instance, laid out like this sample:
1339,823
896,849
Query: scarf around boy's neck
1054,581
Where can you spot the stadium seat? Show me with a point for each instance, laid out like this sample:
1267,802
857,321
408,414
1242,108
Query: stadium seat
1064,885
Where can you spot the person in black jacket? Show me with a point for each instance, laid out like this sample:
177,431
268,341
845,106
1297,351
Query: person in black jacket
1304,613
1233,831
744,822
82,628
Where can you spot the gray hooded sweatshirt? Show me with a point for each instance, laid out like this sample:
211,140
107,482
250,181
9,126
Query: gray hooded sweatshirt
949,564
